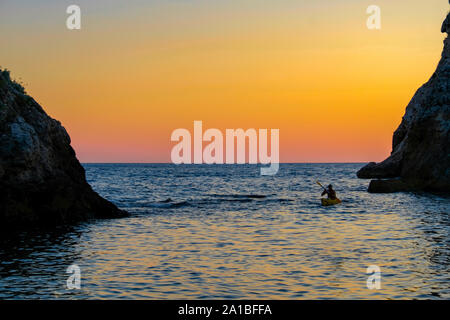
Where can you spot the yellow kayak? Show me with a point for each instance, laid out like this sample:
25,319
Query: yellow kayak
330,202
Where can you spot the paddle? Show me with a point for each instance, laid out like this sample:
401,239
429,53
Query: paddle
321,185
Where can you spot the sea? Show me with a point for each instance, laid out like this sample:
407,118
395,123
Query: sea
226,232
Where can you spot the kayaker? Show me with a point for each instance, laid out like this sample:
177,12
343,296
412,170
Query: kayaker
330,192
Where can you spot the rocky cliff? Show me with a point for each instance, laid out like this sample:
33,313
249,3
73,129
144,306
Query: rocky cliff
41,180
420,158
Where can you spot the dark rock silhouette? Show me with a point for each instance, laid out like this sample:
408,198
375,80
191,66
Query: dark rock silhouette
41,180
420,158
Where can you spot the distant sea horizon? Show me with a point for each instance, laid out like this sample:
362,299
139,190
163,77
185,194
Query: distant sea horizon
339,162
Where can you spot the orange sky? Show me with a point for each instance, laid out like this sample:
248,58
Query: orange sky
312,69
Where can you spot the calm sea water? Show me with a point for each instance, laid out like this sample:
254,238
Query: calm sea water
227,232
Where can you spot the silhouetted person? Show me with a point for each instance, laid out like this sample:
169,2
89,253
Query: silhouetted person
330,192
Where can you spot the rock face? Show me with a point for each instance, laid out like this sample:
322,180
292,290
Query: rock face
41,180
420,158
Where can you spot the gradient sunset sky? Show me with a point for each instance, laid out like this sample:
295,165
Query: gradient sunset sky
138,69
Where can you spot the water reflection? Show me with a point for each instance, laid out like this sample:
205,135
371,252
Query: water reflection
281,246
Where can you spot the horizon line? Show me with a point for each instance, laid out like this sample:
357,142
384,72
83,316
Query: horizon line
350,162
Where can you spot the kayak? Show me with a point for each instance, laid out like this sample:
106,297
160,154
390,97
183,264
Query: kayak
330,202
